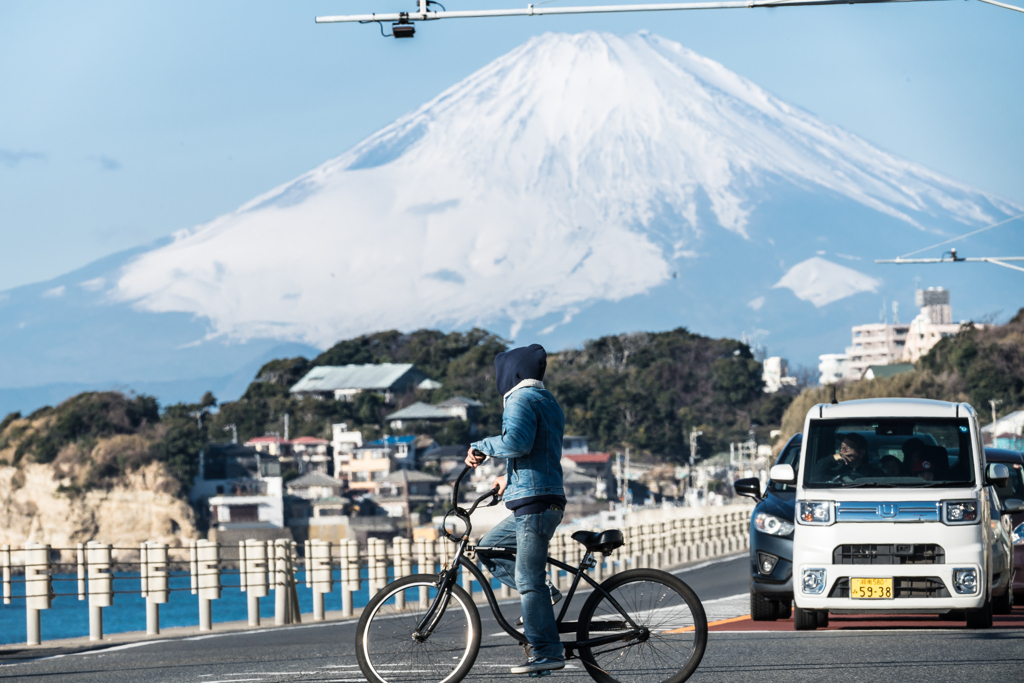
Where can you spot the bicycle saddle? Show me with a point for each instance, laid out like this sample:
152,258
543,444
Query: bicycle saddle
599,541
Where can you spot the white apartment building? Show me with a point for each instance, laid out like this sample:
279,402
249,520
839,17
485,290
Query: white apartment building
775,374
934,322
832,367
875,344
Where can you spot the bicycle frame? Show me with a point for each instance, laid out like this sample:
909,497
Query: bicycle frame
448,577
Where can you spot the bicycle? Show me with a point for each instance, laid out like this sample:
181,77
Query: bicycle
636,626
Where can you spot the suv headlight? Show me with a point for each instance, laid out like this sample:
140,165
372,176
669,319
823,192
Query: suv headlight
772,525
960,511
814,512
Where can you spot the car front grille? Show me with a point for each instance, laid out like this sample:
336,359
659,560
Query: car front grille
903,587
866,553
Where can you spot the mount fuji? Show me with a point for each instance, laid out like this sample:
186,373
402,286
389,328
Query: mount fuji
579,185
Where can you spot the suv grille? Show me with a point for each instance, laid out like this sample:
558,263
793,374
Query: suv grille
922,553
903,587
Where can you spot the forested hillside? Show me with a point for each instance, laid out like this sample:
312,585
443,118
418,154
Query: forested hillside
976,366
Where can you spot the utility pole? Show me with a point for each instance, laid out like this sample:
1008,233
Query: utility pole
286,426
234,432
693,451
628,496
408,511
994,403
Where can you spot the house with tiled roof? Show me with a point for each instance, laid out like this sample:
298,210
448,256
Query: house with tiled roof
343,382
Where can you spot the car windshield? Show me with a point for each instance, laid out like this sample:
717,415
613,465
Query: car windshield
889,453
1014,485
790,456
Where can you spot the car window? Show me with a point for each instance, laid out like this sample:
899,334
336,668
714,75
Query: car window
889,453
1014,485
789,456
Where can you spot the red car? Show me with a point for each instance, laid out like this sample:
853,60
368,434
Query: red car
1014,489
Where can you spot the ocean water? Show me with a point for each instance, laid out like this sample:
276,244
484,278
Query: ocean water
69,616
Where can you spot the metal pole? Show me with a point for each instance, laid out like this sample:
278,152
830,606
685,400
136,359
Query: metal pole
205,615
152,617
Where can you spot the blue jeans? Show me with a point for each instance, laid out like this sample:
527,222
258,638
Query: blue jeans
529,535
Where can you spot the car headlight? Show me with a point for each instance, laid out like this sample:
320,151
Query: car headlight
813,581
965,581
770,524
815,512
960,512
1018,534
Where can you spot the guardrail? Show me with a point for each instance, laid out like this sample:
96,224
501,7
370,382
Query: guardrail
262,566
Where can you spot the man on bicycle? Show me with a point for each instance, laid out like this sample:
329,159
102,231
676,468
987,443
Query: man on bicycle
532,428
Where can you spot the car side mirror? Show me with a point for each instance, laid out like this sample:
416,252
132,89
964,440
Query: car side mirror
1012,506
997,474
785,474
751,488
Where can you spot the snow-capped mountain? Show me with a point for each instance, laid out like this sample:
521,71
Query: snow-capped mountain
579,185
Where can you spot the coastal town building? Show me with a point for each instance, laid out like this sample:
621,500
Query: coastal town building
344,382
343,442
239,487
369,464
417,412
776,374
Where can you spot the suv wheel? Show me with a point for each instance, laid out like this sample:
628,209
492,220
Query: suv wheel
804,619
1003,604
763,609
980,618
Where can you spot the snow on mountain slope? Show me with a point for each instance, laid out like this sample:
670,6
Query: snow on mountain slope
575,169
821,282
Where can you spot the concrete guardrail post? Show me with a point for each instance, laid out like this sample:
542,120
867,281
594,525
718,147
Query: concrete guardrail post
101,585
208,575
281,607
401,560
424,565
254,581
319,565
350,574
5,568
80,561
157,588
38,588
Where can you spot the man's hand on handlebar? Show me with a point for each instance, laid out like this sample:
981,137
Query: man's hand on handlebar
474,457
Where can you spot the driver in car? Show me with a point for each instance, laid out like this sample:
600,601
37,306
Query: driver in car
531,442
849,460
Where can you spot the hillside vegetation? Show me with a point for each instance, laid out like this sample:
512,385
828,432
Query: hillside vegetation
975,366
643,390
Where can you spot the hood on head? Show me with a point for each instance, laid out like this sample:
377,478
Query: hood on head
513,366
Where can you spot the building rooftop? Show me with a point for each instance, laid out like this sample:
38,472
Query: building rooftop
265,439
413,476
589,458
310,441
390,441
379,377
313,479
419,411
460,401
890,370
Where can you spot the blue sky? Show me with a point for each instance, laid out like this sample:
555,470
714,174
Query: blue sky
121,122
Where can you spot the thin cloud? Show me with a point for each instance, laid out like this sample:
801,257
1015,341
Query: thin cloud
11,158
107,163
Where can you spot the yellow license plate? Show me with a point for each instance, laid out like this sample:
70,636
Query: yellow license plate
867,589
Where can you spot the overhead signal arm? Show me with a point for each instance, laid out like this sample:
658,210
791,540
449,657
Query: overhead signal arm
424,13
1003,5
953,258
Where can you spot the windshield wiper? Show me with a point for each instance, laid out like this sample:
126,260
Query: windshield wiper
870,485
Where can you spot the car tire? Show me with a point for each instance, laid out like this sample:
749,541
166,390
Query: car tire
804,619
822,619
763,609
980,618
785,609
1003,604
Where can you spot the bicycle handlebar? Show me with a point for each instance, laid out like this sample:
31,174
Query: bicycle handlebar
464,514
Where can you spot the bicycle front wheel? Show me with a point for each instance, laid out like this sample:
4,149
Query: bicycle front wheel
673,629
386,649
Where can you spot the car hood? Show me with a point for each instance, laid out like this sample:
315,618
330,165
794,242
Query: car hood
783,508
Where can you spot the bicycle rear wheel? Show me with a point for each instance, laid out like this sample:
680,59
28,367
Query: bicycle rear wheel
675,629
386,650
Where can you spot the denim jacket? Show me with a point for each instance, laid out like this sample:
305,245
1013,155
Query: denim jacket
531,438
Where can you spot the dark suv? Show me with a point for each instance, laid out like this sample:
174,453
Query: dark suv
771,540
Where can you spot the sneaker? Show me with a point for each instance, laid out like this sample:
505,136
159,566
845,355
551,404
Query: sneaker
536,665
555,599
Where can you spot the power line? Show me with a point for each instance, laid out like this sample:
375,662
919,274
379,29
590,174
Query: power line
989,227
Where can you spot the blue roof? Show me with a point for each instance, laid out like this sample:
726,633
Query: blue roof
390,441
